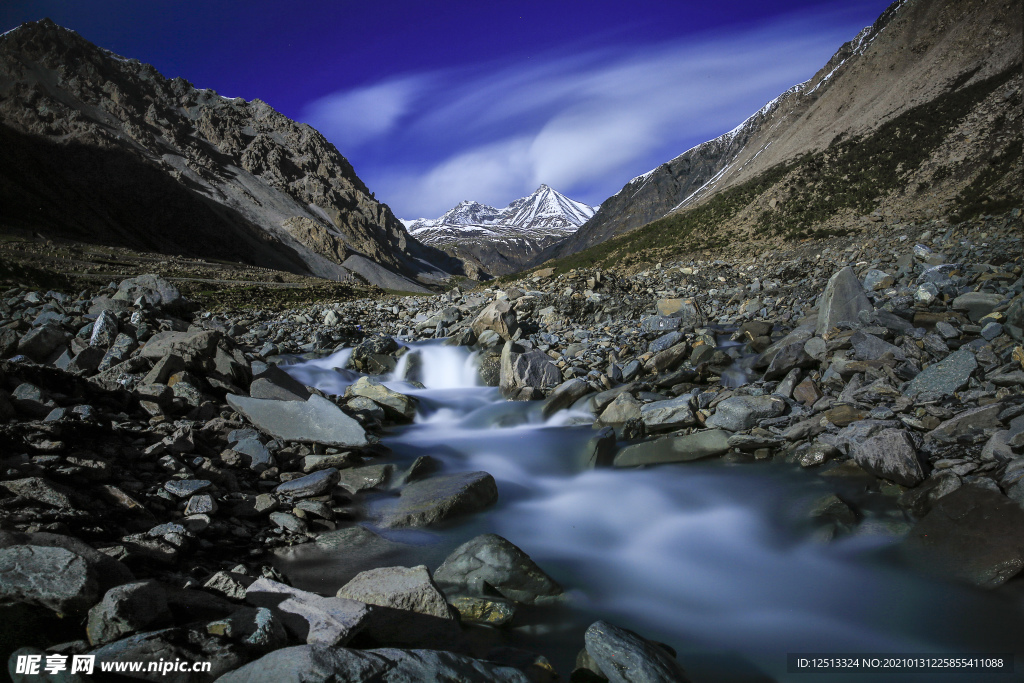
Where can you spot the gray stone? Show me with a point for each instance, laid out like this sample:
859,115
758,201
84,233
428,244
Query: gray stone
395,404
870,347
87,361
991,330
31,400
522,368
314,484
490,563
842,301
625,657
740,413
945,377
181,645
316,420
356,479
183,488
436,499
51,577
620,411
127,609
289,522
684,309
891,455
268,389
203,504
40,343
318,664
977,304
667,449
104,330
310,617
187,345
40,490
665,341
668,415
973,419
498,317
154,289
403,588
972,534
259,454
878,279
565,394
656,323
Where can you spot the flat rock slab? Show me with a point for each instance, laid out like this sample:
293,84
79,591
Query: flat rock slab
316,619
625,657
404,588
674,449
947,376
314,421
314,484
436,499
308,663
972,534
51,577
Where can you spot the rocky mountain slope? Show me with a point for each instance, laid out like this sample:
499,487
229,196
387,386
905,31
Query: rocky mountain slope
916,60
99,148
501,241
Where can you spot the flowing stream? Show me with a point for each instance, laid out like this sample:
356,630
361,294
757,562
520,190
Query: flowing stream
716,560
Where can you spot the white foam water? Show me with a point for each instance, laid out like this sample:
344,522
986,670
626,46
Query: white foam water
717,561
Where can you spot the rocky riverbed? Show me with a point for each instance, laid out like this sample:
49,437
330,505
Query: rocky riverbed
155,455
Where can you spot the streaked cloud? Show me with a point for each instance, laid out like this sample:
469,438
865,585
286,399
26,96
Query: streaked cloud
583,122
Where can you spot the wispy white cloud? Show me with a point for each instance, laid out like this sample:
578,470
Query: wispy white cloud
584,122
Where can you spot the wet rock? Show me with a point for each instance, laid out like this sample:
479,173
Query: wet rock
620,411
307,616
127,609
625,657
316,420
740,413
402,588
438,498
526,369
356,479
972,534
668,415
945,377
51,577
920,499
289,522
490,563
599,451
565,394
397,405
666,449
890,455
314,663
842,301
484,611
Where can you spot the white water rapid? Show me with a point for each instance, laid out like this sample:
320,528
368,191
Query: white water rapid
714,559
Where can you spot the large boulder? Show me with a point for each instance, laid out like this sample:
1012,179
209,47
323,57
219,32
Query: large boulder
977,304
490,563
376,355
319,664
316,420
498,317
522,368
41,342
397,405
436,499
154,289
842,301
404,588
50,577
625,657
127,609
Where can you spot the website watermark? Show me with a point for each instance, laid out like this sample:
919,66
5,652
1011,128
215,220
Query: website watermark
31,665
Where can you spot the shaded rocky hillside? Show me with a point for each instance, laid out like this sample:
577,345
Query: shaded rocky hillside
99,148
502,241
946,67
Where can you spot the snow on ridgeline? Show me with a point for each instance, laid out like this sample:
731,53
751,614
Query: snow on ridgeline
544,213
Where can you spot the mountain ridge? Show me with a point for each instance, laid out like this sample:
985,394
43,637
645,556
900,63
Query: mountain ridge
244,182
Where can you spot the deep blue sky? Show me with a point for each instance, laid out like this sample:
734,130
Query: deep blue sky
435,102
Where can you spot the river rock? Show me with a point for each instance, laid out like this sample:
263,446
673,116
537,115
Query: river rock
436,499
625,657
977,304
404,588
316,420
522,369
314,484
356,479
973,534
945,377
565,394
620,411
376,355
740,413
310,617
704,444
127,609
668,415
55,578
397,405
490,563
891,455
319,664
498,317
